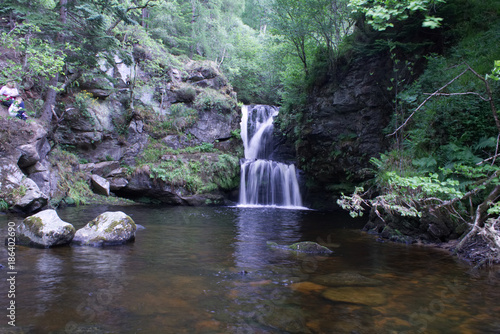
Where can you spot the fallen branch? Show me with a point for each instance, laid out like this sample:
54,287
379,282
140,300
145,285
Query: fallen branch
481,215
491,234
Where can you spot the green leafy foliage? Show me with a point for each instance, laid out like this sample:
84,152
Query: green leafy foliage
381,13
83,102
42,59
495,73
157,149
404,195
200,175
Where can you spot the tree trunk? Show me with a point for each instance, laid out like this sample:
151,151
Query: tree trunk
145,17
50,97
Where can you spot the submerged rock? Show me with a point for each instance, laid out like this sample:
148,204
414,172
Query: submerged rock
109,228
366,296
302,247
44,229
346,279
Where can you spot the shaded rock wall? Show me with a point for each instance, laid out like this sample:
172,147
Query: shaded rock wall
345,119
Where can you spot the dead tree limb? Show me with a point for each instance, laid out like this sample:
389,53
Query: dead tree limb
425,101
481,216
439,93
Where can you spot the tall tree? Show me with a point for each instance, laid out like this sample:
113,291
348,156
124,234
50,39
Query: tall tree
87,32
50,97
291,21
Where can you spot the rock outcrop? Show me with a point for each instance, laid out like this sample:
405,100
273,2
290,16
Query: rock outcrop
24,181
44,229
107,126
100,185
343,126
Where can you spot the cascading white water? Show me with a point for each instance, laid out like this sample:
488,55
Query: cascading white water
264,181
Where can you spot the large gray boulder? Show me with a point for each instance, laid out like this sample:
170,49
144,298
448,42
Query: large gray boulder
44,229
109,228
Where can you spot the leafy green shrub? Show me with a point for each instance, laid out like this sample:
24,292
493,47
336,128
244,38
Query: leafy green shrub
4,206
227,171
405,196
199,175
83,102
156,150
153,152
179,173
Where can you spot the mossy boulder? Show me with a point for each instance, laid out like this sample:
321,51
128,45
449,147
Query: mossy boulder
309,247
109,228
44,229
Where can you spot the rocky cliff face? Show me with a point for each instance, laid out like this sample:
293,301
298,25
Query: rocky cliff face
344,126
118,138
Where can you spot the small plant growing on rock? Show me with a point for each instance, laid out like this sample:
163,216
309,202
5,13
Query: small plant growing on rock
186,93
83,101
212,100
72,184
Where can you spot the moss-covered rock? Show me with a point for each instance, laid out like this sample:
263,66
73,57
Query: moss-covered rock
44,229
109,228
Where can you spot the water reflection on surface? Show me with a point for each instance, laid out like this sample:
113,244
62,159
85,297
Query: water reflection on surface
209,270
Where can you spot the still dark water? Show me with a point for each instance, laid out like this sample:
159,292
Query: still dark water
209,270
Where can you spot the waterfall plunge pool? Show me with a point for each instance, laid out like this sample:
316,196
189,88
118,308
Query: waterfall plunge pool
209,270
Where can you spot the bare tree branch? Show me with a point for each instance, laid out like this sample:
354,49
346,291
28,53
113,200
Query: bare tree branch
438,93
465,93
481,215
425,101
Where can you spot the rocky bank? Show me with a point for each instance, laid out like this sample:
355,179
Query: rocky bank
118,138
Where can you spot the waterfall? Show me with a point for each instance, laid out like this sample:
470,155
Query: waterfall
264,182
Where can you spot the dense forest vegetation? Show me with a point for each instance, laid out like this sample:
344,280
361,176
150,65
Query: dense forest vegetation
444,132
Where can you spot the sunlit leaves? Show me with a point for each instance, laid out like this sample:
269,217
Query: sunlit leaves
495,73
380,14
406,196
